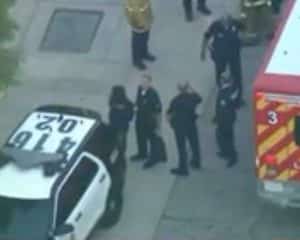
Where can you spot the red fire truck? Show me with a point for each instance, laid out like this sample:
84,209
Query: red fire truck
277,113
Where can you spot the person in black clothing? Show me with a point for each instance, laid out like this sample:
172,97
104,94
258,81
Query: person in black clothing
182,117
225,119
120,114
148,107
201,7
225,49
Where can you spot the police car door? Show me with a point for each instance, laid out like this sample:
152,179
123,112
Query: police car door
82,195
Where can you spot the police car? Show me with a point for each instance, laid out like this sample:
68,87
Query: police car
61,175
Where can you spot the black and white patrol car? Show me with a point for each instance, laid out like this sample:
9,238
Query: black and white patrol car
60,176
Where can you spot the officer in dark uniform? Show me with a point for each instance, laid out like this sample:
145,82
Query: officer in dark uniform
202,7
225,119
149,107
225,49
182,117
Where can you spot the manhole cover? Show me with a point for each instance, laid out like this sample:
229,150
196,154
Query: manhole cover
71,30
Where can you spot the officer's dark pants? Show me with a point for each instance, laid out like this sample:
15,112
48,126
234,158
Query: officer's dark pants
187,5
276,4
225,140
122,140
139,45
144,134
234,63
189,133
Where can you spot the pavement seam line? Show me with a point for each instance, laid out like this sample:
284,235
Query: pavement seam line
162,215
161,218
183,219
251,228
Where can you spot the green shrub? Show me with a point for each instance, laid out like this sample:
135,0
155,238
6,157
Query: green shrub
8,57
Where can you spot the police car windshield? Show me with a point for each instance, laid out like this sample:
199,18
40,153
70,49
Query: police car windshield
24,219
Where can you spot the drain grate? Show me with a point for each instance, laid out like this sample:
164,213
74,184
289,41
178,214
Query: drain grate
71,30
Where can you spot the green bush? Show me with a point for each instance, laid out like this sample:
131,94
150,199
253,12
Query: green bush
8,57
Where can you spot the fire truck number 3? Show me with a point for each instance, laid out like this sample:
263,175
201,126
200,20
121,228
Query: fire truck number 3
272,117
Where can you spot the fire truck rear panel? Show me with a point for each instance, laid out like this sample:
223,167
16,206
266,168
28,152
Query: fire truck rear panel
277,113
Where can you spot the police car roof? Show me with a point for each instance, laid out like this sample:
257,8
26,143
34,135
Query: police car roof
68,129
66,109
280,71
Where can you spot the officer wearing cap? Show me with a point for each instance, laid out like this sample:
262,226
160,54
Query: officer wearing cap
140,18
225,119
182,117
225,49
201,7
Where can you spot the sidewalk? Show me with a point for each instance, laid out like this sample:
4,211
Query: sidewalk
85,80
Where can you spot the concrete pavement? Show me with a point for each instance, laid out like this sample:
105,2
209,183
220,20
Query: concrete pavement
219,203
85,80
214,204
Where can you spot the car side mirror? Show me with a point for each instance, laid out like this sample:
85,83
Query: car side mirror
65,231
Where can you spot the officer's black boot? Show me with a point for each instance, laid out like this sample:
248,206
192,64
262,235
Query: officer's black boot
150,163
196,164
240,103
189,17
180,172
140,65
196,159
232,160
150,57
203,8
221,154
138,157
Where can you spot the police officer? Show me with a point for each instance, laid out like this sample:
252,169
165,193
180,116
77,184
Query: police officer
149,107
140,18
182,117
225,49
187,5
225,119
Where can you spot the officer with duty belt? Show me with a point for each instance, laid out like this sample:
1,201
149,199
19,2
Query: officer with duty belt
148,109
225,49
140,18
225,119
182,117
